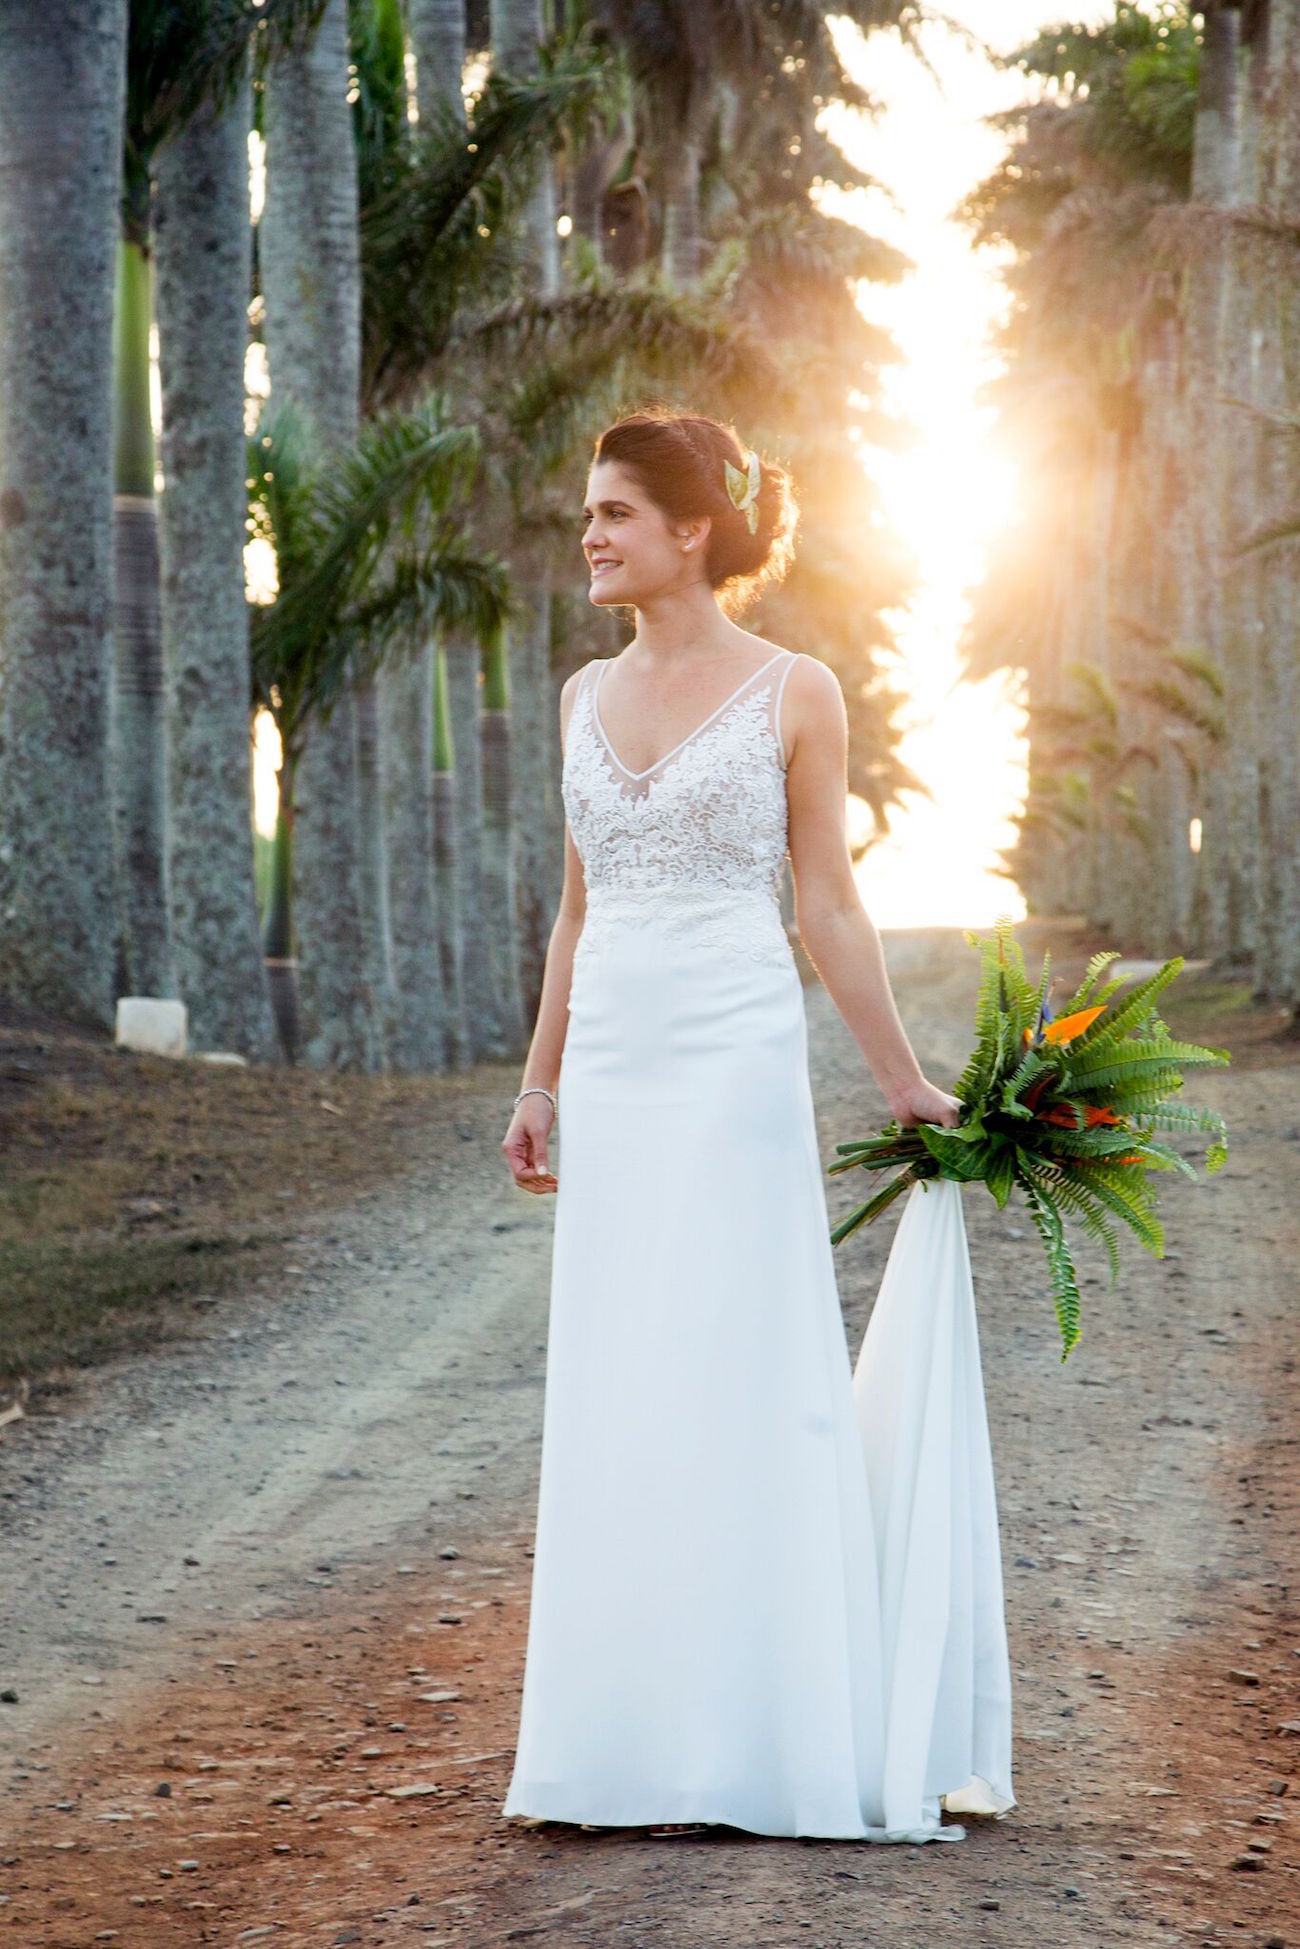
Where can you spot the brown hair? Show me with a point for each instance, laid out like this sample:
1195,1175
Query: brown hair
678,460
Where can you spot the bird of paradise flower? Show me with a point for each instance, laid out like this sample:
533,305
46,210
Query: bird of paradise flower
1065,1108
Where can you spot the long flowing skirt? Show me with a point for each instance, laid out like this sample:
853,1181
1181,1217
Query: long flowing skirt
738,1615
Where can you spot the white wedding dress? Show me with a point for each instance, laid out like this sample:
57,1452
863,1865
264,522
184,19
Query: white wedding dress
767,1590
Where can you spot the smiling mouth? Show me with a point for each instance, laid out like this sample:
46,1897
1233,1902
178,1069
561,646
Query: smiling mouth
603,568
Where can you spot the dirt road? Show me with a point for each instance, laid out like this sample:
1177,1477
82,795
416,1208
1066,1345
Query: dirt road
265,1594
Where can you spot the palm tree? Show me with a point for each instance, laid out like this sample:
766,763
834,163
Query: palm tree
486,1028
438,236
437,32
518,29
1153,204
437,36
202,255
139,764
180,61
447,874
426,1033
310,272
373,558
1095,395
60,174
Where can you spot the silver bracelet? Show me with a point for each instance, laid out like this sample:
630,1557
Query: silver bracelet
538,1089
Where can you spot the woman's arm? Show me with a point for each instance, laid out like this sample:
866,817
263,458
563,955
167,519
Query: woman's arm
524,1143
834,926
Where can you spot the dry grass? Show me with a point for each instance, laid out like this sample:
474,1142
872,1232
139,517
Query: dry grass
132,1186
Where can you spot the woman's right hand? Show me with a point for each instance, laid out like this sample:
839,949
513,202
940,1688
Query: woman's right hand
524,1145
921,1102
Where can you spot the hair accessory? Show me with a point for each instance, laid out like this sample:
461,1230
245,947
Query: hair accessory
743,489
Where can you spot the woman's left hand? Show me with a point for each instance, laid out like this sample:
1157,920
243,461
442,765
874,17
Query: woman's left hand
921,1102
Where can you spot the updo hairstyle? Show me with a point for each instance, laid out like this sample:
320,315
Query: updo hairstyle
678,459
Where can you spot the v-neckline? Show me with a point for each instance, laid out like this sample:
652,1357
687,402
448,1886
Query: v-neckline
690,735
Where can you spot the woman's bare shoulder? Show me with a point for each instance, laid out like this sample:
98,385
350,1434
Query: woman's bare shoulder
809,678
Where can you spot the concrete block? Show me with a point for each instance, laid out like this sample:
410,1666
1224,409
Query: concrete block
151,1025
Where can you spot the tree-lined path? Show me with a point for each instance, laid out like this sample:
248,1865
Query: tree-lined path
267,1592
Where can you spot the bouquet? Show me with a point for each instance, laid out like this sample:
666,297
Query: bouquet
1065,1107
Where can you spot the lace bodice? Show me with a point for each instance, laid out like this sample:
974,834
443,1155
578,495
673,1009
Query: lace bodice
696,843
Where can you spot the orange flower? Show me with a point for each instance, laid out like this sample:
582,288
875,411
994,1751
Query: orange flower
1062,1115
1034,1091
1066,1027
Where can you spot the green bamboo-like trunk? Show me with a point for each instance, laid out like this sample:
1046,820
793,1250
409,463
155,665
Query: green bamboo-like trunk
277,926
278,945
202,254
60,189
310,267
138,741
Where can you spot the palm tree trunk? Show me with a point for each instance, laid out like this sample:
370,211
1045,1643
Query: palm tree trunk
500,842
421,1039
535,735
376,905
202,253
513,755
437,31
681,238
1233,478
446,870
485,1022
1215,188
60,179
1278,381
138,744
517,27
311,278
427,1035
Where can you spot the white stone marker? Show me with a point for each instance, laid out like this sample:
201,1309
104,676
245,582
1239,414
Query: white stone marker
151,1025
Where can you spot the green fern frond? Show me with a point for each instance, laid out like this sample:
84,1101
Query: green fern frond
1116,1064
1032,1065
1076,1200
1108,1028
1171,1159
1060,1266
1095,969
1126,1194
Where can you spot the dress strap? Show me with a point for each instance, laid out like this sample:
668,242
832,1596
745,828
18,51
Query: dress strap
791,657
591,677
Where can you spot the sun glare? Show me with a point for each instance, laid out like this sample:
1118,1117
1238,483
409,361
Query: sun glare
948,492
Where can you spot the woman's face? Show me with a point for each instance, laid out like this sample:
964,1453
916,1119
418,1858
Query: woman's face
634,552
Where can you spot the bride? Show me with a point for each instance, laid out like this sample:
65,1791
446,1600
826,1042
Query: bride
707,1640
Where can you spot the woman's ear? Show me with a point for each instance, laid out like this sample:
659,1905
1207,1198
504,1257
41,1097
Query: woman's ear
692,535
